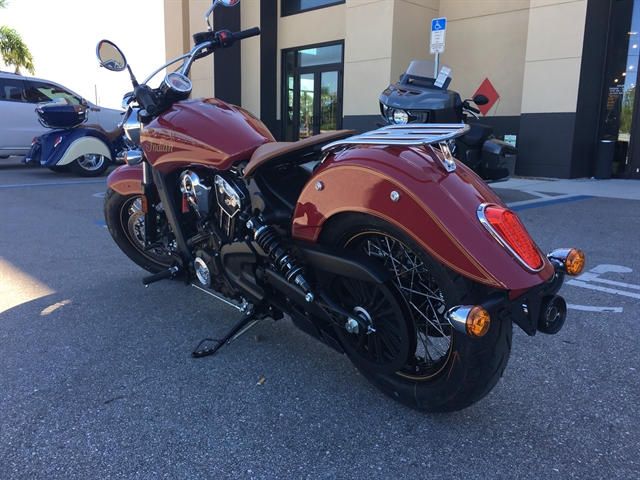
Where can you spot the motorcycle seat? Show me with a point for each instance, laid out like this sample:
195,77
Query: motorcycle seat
280,153
111,134
477,135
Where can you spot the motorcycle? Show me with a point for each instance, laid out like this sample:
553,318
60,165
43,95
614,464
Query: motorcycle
422,96
381,245
85,149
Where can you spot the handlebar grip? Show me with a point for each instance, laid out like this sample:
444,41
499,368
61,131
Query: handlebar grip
147,99
251,32
472,109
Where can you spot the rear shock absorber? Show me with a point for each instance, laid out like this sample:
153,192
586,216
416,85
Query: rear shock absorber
282,256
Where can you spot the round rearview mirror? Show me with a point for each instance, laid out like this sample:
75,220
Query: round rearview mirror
480,99
110,56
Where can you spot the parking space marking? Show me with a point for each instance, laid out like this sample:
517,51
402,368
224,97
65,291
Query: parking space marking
58,184
586,308
593,275
544,202
578,283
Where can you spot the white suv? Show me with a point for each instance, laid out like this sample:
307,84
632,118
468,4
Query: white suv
18,120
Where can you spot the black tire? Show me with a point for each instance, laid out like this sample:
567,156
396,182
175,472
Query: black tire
449,370
90,165
59,169
125,221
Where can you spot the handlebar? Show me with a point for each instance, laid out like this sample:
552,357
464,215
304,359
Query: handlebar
146,98
242,34
206,44
466,106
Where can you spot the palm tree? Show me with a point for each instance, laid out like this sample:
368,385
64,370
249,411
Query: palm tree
13,50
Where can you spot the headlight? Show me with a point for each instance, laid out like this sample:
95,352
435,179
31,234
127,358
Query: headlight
400,117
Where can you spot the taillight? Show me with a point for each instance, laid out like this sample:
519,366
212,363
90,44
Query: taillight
506,227
34,140
57,142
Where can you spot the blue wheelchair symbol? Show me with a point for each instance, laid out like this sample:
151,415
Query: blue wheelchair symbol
438,24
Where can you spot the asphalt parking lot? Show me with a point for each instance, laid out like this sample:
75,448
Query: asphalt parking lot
97,381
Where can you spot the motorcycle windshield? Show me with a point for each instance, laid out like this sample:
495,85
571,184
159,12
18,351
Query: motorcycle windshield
425,72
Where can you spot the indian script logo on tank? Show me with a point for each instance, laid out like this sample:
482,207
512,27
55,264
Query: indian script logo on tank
158,147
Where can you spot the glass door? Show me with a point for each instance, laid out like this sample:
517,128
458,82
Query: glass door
312,93
620,123
304,105
315,102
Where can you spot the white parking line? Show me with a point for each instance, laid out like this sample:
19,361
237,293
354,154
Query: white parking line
586,308
578,283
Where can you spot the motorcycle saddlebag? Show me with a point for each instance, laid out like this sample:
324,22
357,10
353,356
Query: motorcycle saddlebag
498,160
59,114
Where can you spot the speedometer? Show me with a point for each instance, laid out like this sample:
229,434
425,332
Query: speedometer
178,82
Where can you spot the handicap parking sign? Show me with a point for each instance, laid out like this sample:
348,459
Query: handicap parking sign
438,33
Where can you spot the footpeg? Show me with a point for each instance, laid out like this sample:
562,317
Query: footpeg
156,277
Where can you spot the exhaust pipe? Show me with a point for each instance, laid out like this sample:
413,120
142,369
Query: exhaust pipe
553,312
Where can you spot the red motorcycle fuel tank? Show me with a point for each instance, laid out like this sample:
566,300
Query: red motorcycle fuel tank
202,132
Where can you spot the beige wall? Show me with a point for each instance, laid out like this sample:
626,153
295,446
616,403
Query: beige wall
529,49
379,45
182,18
202,70
176,33
487,39
554,51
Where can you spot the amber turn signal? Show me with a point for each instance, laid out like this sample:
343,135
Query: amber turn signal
568,260
575,262
473,320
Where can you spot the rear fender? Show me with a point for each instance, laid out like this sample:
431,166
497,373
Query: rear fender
409,188
64,146
83,146
126,180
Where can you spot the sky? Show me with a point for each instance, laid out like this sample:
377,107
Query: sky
62,36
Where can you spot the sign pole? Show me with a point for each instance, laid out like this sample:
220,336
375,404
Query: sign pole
438,34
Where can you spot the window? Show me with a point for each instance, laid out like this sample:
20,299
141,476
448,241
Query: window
291,7
46,92
12,89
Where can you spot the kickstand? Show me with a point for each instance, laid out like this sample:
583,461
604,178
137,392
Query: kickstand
248,320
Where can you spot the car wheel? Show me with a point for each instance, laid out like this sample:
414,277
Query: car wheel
90,165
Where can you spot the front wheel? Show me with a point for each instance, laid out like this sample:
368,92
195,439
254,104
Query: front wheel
446,370
90,165
126,223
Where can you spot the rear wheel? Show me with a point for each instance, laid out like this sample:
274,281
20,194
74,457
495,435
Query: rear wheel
126,223
90,165
446,370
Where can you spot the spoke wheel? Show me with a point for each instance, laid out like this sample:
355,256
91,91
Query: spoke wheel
379,337
445,370
423,295
126,222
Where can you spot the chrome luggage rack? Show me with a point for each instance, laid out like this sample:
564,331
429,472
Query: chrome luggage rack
404,135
